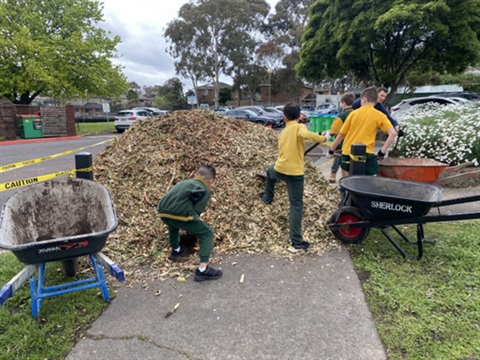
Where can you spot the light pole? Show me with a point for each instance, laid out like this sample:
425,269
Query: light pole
269,87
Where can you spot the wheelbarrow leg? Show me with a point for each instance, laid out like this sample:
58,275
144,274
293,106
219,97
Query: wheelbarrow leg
101,280
36,290
419,242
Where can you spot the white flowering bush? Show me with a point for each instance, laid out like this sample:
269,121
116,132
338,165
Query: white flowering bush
449,134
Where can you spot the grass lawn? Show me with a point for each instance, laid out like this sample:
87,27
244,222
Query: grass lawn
88,128
426,309
62,319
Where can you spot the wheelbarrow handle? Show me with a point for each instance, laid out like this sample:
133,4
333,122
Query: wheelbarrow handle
16,282
108,264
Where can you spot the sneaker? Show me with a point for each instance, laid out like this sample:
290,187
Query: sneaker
333,178
178,255
296,248
208,274
265,201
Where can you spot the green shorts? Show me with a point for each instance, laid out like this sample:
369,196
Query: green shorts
371,165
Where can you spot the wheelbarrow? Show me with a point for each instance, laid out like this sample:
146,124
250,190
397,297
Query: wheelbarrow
412,169
383,203
58,220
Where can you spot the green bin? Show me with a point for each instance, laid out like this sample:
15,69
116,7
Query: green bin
29,126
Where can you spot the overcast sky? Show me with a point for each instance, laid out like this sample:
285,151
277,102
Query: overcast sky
141,24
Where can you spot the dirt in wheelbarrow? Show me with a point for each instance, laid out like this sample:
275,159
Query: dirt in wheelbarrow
143,163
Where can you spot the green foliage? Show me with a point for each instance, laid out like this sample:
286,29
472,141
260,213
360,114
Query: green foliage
426,309
385,42
449,134
212,37
225,94
61,321
171,95
54,48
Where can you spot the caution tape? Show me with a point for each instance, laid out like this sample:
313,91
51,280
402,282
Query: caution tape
36,179
358,158
45,158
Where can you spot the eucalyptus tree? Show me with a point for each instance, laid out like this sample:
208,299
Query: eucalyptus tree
210,36
56,48
383,42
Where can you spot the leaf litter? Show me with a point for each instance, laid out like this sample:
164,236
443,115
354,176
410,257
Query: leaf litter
143,163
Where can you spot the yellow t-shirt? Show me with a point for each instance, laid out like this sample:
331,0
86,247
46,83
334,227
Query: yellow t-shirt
291,148
361,126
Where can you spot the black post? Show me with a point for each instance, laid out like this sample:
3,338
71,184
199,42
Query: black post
83,170
358,159
83,165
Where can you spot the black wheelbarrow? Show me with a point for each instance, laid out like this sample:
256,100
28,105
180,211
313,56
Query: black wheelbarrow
58,220
383,203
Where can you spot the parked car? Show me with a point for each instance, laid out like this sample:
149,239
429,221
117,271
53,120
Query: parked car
326,108
262,111
249,115
125,118
407,104
469,95
303,115
153,111
307,108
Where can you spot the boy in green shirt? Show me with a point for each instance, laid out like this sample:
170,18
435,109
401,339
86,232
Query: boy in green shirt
289,167
180,209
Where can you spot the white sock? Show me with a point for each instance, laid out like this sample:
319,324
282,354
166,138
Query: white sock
177,249
202,269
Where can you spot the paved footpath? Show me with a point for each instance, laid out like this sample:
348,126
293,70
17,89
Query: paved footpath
309,307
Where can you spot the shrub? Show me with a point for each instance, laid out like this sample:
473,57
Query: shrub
449,134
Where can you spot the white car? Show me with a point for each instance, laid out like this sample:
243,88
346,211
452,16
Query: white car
125,118
326,108
407,104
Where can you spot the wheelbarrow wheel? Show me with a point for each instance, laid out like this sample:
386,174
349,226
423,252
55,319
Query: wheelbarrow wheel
70,267
347,234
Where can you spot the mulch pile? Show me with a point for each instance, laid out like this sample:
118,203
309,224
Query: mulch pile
142,164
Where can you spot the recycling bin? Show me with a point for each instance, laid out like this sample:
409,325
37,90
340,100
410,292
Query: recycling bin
29,126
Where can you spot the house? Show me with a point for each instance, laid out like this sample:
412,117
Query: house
206,93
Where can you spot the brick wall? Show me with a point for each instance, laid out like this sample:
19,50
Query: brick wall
8,122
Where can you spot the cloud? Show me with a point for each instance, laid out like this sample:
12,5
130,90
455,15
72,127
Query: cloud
140,25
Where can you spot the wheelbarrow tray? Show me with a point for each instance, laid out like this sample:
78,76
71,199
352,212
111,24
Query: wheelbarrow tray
57,220
412,169
381,198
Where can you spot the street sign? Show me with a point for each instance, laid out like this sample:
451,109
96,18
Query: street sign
192,100
106,107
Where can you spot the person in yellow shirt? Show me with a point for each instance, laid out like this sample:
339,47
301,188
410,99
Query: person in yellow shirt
289,167
346,102
361,126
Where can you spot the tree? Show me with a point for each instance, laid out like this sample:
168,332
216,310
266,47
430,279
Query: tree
225,94
384,42
208,34
171,95
54,48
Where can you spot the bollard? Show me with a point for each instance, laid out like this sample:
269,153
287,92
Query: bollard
83,170
358,159
83,165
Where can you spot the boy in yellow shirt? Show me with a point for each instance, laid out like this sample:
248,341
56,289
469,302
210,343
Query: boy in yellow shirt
289,167
361,126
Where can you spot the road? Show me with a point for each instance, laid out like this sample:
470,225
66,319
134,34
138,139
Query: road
14,153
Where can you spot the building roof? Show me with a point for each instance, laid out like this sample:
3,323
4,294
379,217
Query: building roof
221,85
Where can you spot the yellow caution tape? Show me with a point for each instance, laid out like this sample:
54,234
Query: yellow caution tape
36,179
33,180
45,158
358,158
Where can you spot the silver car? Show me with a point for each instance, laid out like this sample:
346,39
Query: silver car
407,104
125,118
